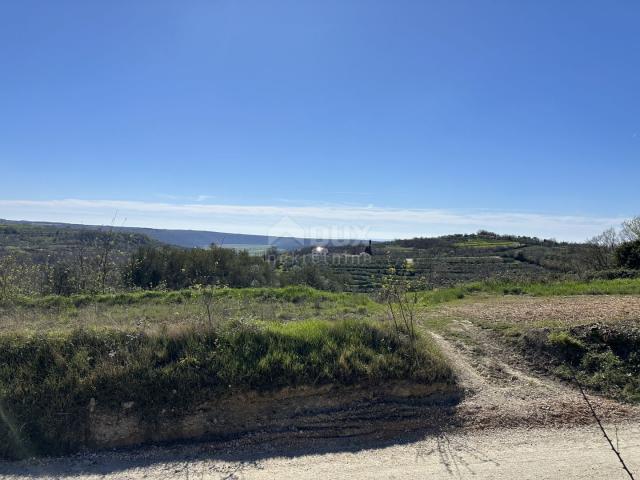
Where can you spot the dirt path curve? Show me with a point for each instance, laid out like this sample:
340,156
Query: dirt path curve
501,392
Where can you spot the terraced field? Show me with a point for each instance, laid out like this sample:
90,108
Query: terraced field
437,268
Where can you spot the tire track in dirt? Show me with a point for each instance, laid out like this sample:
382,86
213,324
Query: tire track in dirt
499,392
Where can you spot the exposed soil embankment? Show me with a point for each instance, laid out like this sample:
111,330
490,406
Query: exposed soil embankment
62,391
331,411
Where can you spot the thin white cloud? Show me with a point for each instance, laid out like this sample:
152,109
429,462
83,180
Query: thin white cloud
322,221
185,198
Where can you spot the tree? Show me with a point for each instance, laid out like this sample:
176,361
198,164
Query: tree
599,253
8,274
628,255
178,268
105,264
62,280
631,230
17,277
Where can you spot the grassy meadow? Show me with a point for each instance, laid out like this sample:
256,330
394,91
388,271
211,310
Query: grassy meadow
154,311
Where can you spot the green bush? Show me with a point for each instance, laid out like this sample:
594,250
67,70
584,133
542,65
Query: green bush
607,372
569,347
601,358
628,255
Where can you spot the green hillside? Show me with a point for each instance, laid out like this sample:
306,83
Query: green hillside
454,259
42,243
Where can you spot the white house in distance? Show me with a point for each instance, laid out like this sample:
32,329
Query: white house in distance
319,253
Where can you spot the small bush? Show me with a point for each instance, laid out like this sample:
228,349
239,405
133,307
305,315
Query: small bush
602,358
568,346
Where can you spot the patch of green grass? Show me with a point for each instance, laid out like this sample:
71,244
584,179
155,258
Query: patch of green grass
444,295
48,381
484,243
566,345
294,294
565,341
620,286
149,311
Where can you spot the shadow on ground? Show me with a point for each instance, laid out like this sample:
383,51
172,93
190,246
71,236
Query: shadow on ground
369,427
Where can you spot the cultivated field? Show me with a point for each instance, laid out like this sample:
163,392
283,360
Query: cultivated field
531,312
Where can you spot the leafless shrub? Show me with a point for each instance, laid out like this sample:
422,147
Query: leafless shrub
631,230
401,297
208,299
599,254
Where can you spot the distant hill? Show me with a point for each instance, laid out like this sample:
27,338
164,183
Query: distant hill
189,238
45,243
203,238
440,261
453,259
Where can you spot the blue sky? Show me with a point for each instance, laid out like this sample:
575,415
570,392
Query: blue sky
392,118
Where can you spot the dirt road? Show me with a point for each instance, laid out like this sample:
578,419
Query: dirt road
572,453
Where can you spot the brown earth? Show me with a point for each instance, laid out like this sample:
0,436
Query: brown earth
312,412
529,311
